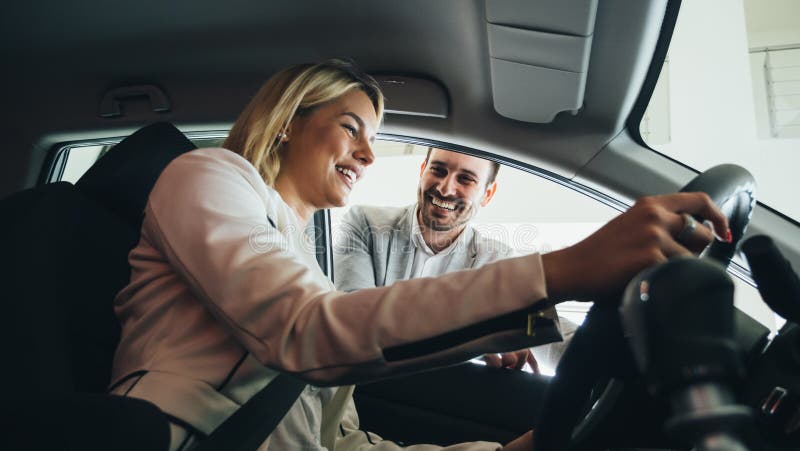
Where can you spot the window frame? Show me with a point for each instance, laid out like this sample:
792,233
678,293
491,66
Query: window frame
56,162
580,188
632,124
734,268
54,166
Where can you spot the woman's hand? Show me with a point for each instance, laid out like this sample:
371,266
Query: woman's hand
639,238
514,360
522,443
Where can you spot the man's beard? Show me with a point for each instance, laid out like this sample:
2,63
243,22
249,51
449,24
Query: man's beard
461,215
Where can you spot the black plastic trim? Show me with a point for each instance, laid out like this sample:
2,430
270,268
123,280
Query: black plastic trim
656,64
516,320
777,213
56,170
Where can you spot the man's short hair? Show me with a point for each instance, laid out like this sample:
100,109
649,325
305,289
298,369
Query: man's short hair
494,167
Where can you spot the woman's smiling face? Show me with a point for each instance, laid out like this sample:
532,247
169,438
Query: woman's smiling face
327,150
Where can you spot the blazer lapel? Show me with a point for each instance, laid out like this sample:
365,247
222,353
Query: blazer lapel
471,247
400,248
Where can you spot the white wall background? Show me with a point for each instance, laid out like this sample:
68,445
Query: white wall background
714,102
711,106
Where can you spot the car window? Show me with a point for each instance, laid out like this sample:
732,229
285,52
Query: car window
528,212
733,95
79,159
71,160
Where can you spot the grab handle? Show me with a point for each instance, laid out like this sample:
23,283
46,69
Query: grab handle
110,105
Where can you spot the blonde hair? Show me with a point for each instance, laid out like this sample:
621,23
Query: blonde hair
296,90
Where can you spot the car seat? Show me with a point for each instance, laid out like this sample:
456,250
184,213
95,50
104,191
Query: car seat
65,252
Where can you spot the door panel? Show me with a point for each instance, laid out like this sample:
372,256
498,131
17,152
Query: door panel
466,402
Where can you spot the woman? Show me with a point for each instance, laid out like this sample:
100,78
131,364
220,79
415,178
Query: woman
225,290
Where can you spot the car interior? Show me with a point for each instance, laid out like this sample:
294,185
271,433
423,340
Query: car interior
581,95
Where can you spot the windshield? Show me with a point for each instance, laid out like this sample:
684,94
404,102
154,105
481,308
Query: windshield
729,92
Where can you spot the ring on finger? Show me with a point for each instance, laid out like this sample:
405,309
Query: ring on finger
689,226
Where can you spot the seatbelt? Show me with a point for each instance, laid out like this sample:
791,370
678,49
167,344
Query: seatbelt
252,423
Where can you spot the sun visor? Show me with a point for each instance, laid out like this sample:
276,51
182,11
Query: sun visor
539,56
413,96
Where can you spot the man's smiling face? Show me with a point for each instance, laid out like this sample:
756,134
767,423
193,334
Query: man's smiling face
452,186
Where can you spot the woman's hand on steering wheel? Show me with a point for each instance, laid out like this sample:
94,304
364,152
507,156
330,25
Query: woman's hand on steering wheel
645,235
652,231
522,443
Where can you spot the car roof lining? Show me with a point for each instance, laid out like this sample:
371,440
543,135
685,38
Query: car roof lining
211,58
227,51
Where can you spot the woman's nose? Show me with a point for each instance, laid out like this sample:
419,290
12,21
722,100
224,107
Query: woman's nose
364,153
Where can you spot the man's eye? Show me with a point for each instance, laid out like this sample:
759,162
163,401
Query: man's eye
438,171
350,130
467,180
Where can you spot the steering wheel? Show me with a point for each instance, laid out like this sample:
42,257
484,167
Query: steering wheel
590,375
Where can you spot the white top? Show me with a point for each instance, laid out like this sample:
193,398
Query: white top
220,300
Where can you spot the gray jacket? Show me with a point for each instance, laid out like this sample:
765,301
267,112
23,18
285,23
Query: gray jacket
373,248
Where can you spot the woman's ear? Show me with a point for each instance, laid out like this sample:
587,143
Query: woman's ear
294,126
286,132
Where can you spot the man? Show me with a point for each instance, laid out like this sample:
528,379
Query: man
378,246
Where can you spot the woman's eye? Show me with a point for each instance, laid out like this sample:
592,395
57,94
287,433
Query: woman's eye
350,130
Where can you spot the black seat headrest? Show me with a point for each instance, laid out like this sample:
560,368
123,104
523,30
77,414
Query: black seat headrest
121,180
